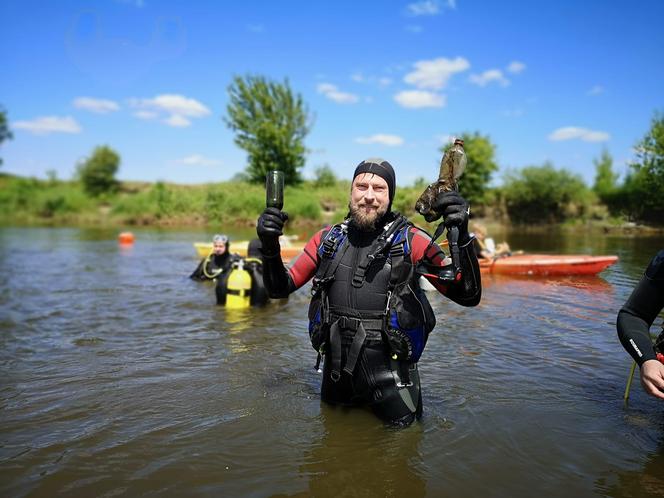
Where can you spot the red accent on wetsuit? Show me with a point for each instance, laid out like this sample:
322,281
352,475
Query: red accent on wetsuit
435,255
305,266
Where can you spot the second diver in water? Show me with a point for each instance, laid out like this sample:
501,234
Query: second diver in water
215,263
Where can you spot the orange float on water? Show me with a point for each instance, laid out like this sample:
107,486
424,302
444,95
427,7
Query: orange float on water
126,238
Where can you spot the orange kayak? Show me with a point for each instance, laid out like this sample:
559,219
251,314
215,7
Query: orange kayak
545,264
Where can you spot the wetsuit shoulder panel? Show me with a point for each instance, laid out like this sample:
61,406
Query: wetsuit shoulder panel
305,266
433,254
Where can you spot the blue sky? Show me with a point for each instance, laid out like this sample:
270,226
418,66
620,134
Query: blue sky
556,81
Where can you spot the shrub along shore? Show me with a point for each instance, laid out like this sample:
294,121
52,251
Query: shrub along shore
30,201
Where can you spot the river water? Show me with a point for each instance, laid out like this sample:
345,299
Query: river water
119,376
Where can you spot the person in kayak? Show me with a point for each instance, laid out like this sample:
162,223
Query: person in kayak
485,247
634,321
217,262
368,317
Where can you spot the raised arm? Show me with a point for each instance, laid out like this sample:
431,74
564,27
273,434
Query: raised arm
468,290
278,280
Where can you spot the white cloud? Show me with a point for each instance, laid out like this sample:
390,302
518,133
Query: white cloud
516,67
491,75
596,90
429,7
576,133
332,92
198,160
177,120
435,73
100,106
424,8
417,99
379,81
49,124
176,110
145,114
380,138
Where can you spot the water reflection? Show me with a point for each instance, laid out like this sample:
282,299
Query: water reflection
646,478
358,456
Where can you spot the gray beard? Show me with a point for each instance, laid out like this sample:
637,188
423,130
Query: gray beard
365,222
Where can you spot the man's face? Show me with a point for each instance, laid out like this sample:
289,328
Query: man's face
219,248
369,198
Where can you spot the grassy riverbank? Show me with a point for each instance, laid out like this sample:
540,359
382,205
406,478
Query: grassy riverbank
29,201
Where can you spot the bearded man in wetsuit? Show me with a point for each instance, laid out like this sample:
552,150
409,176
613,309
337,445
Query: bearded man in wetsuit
369,318
634,321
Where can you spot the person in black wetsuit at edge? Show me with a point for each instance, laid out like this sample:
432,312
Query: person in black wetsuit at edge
368,316
217,263
634,321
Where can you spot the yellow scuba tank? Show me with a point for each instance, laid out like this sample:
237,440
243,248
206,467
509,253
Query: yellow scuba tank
238,287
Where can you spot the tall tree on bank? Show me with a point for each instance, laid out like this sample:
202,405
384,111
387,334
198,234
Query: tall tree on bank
97,173
644,185
5,132
271,123
605,177
481,164
605,186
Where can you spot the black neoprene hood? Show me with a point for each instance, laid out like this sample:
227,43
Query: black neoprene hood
381,168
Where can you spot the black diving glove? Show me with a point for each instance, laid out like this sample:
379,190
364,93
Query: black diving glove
455,211
269,228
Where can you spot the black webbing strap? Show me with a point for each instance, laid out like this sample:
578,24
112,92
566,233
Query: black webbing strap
335,351
329,260
377,249
400,270
358,326
355,348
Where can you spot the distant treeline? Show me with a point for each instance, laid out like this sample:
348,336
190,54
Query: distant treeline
534,195
270,122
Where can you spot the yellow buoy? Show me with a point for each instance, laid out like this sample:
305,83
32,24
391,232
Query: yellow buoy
238,287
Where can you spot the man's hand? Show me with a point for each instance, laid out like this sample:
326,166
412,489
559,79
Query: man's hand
652,378
269,228
454,209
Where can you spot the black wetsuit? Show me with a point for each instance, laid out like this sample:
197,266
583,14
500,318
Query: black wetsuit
641,310
214,264
390,388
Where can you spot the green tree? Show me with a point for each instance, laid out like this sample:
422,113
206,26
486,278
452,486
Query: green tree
324,176
644,185
543,194
97,173
271,123
481,164
5,132
605,178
